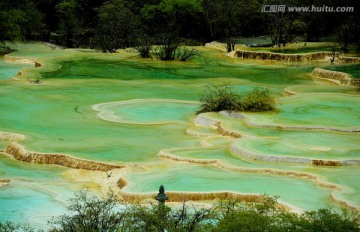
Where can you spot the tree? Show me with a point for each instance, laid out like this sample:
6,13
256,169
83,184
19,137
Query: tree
70,24
225,19
18,20
221,17
117,23
91,214
178,17
348,35
186,218
326,219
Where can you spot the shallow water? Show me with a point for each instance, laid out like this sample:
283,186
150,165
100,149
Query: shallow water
313,110
10,69
120,109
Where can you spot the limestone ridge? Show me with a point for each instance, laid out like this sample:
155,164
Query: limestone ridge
339,78
19,153
26,60
202,120
320,128
4,182
281,56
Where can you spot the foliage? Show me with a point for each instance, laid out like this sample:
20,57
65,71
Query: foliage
12,227
348,35
18,20
188,54
92,214
112,24
259,99
222,97
325,219
89,214
163,218
143,46
116,25
69,23
268,216
167,48
8,227
217,97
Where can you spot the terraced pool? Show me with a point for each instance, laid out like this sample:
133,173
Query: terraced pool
122,110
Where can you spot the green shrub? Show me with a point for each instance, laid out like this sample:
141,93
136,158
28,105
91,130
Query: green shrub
92,214
221,97
168,48
188,54
259,99
143,46
325,219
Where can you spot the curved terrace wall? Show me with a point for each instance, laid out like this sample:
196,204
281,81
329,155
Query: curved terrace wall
281,56
22,60
19,153
348,60
340,78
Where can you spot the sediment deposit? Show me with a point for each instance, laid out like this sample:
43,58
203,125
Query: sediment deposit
289,159
11,137
220,164
281,56
4,182
348,60
193,196
223,131
19,153
25,60
282,127
339,78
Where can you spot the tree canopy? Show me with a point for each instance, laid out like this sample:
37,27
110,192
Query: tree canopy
118,23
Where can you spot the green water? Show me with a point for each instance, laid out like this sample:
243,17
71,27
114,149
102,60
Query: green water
147,111
313,110
118,108
203,179
302,143
35,194
8,69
